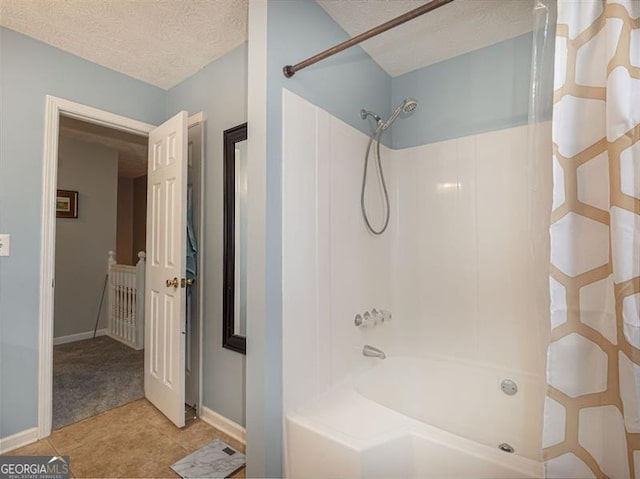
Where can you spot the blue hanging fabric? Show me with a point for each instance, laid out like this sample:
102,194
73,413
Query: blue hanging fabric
192,244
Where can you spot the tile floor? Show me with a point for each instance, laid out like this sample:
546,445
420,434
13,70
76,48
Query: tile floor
131,441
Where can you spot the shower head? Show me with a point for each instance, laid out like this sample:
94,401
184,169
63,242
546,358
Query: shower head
407,106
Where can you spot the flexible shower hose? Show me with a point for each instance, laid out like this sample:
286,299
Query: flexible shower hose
375,137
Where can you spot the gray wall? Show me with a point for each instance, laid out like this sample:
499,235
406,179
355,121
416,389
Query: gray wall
29,70
124,230
132,219
82,243
220,91
139,240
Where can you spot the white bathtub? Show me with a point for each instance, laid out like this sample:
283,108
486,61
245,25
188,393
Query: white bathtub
418,418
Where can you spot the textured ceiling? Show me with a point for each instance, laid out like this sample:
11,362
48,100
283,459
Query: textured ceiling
161,42
132,149
456,28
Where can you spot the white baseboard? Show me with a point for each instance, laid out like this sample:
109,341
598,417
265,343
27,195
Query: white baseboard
17,440
78,336
221,423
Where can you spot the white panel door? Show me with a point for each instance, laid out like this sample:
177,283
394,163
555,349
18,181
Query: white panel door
164,351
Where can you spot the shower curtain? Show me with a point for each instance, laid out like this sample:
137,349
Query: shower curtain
592,408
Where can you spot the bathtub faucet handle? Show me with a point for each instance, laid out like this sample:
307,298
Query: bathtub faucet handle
377,316
363,320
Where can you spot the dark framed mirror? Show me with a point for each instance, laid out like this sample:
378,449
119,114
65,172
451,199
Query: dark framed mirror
234,301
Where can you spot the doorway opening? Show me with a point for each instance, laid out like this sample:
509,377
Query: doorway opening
101,203
62,116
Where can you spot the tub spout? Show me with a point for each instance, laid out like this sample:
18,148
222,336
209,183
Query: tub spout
372,352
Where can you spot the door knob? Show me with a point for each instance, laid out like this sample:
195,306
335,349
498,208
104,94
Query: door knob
175,282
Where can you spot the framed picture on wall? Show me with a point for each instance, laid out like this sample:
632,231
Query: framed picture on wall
66,204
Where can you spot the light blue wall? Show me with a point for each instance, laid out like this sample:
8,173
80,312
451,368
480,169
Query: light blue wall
484,90
342,85
29,70
219,90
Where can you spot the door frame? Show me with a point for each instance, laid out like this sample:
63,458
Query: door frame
198,119
54,108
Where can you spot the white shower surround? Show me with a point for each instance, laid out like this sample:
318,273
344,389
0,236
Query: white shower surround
455,268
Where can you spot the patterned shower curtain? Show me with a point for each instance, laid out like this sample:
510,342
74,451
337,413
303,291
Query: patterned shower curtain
592,409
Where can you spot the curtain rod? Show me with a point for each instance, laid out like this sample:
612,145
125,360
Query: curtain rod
291,70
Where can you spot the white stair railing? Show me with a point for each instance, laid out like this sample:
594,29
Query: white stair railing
126,301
